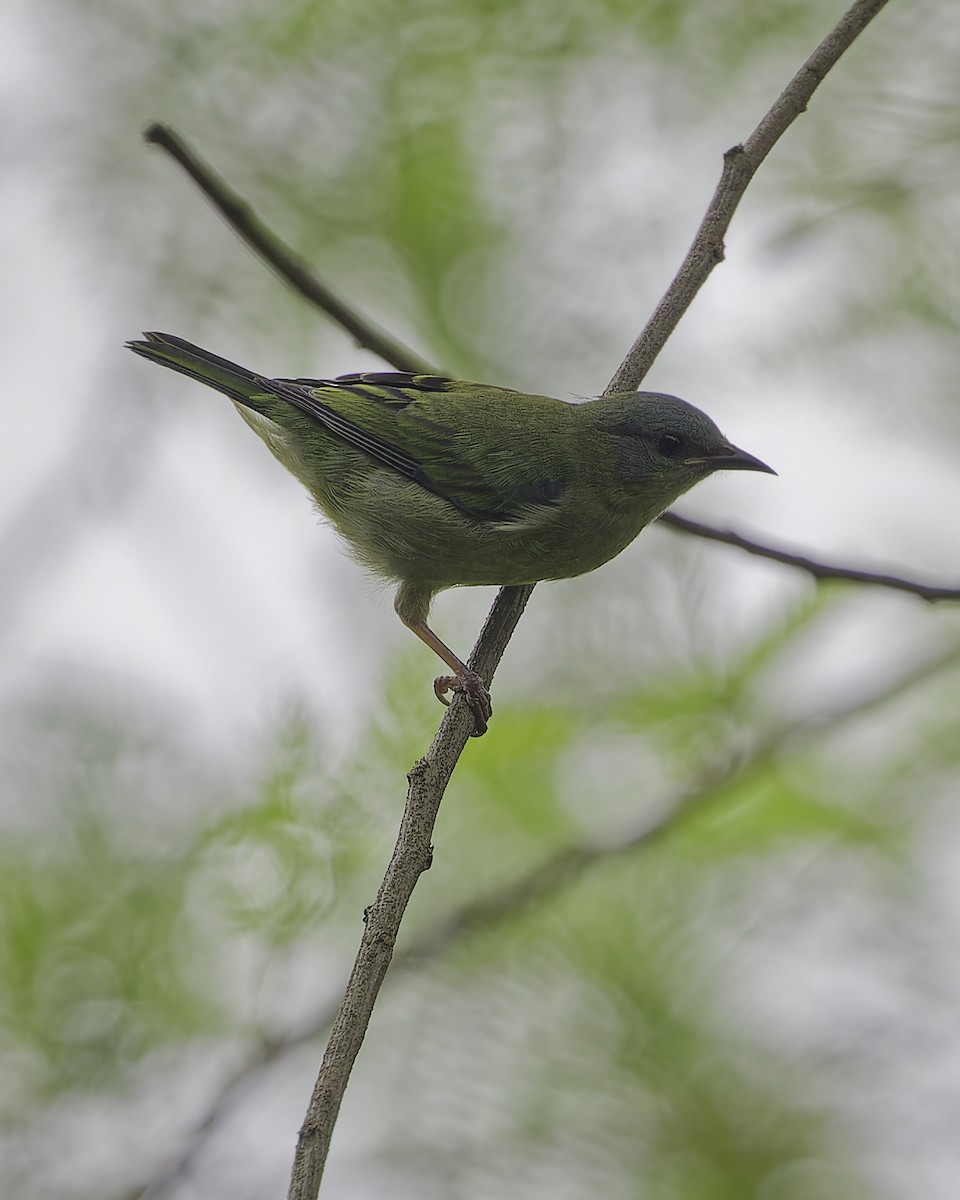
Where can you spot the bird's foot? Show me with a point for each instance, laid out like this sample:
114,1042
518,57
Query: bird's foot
476,693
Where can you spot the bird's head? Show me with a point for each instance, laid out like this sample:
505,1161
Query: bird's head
665,446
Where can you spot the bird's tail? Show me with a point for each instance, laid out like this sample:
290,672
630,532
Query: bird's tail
237,382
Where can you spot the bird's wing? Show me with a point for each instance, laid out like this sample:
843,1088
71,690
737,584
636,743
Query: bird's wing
481,448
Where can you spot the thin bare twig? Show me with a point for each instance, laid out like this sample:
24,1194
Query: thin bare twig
289,266
815,567
412,856
740,164
560,870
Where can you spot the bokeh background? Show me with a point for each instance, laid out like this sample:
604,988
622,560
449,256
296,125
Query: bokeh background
208,711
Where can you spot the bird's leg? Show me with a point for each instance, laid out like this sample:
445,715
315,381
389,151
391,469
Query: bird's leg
462,680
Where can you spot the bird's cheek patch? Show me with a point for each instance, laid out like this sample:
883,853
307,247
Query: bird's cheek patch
634,459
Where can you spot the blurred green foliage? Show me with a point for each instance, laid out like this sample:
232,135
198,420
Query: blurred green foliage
582,1041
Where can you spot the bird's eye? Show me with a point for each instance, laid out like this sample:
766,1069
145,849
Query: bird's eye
669,445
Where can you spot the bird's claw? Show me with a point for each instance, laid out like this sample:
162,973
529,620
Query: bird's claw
474,690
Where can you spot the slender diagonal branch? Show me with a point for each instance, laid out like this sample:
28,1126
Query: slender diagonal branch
411,857
813,566
543,881
429,778
740,164
289,266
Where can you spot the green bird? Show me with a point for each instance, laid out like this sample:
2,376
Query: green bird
435,483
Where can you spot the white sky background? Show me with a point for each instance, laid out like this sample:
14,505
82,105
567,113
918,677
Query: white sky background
214,584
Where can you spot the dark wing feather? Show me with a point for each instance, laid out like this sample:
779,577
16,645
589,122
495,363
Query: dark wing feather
468,485
400,379
302,395
392,387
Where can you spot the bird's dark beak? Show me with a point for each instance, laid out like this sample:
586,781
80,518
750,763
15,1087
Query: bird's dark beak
732,458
